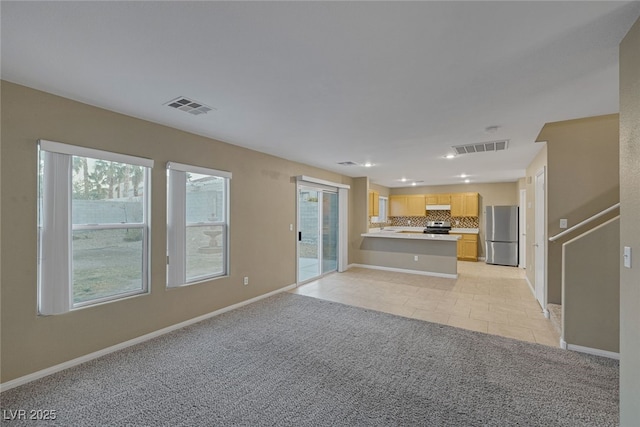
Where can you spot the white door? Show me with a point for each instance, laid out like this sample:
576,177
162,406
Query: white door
522,229
540,241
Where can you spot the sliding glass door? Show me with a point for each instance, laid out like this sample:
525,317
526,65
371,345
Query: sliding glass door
317,232
329,232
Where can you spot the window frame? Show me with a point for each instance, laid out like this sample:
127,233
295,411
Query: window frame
55,241
177,224
145,259
385,217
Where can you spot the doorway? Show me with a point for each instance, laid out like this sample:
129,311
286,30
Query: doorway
317,232
523,230
540,244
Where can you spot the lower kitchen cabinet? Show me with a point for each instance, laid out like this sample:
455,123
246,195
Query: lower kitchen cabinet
467,247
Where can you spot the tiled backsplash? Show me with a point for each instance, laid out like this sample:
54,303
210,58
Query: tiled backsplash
421,221
379,224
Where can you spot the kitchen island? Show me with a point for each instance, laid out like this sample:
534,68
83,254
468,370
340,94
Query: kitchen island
408,249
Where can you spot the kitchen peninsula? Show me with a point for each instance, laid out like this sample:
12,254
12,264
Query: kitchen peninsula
411,250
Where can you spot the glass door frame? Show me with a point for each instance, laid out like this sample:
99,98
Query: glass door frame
320,190
343,217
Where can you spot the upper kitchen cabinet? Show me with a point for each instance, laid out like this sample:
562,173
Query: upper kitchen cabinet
437,199
464,204
416,205
374,203
407,205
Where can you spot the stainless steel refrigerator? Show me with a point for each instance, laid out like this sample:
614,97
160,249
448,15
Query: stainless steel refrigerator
501,235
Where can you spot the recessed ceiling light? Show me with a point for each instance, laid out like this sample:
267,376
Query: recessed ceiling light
368,165
467,181
404,180
414,183
449,156
464,175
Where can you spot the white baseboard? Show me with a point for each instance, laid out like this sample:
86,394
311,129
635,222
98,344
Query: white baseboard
404,270
545,311
79,360
589,350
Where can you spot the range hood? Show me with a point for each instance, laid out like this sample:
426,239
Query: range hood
438,207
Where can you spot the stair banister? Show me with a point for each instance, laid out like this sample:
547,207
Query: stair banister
586,221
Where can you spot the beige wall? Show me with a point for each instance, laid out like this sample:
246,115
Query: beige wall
538,163
500,193
263,204
383,191
591,291
358,216
629,229
582,180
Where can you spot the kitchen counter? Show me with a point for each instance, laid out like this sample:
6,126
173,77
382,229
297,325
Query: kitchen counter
409,234
420,229
409,250
465,230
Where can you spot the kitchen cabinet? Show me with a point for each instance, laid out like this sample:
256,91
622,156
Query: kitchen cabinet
374,203
467,247
437,199
464,204
407,205
416,205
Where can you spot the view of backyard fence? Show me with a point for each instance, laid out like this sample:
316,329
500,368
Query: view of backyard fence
109,230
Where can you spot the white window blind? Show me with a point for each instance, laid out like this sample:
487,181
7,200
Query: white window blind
55,244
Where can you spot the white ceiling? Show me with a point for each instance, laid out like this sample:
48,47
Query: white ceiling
392,83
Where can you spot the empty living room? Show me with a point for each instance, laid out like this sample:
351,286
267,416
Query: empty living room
282,213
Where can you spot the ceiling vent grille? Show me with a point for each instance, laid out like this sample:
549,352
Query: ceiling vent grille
348,163
482,147
189,106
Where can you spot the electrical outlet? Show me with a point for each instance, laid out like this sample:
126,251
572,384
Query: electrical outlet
415,257
246,280
290,227
563,223
409,222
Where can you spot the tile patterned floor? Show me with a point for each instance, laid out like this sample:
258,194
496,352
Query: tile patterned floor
485,298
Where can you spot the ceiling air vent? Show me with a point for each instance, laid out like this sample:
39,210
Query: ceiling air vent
482,147
348,163
189,105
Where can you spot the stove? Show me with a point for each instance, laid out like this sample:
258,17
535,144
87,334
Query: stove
438,227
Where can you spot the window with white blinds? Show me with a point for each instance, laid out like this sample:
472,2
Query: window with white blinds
93,226
197,224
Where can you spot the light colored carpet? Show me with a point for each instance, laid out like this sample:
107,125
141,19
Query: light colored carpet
294,360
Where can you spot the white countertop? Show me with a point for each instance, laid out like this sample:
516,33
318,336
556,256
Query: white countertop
415,233
420,229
